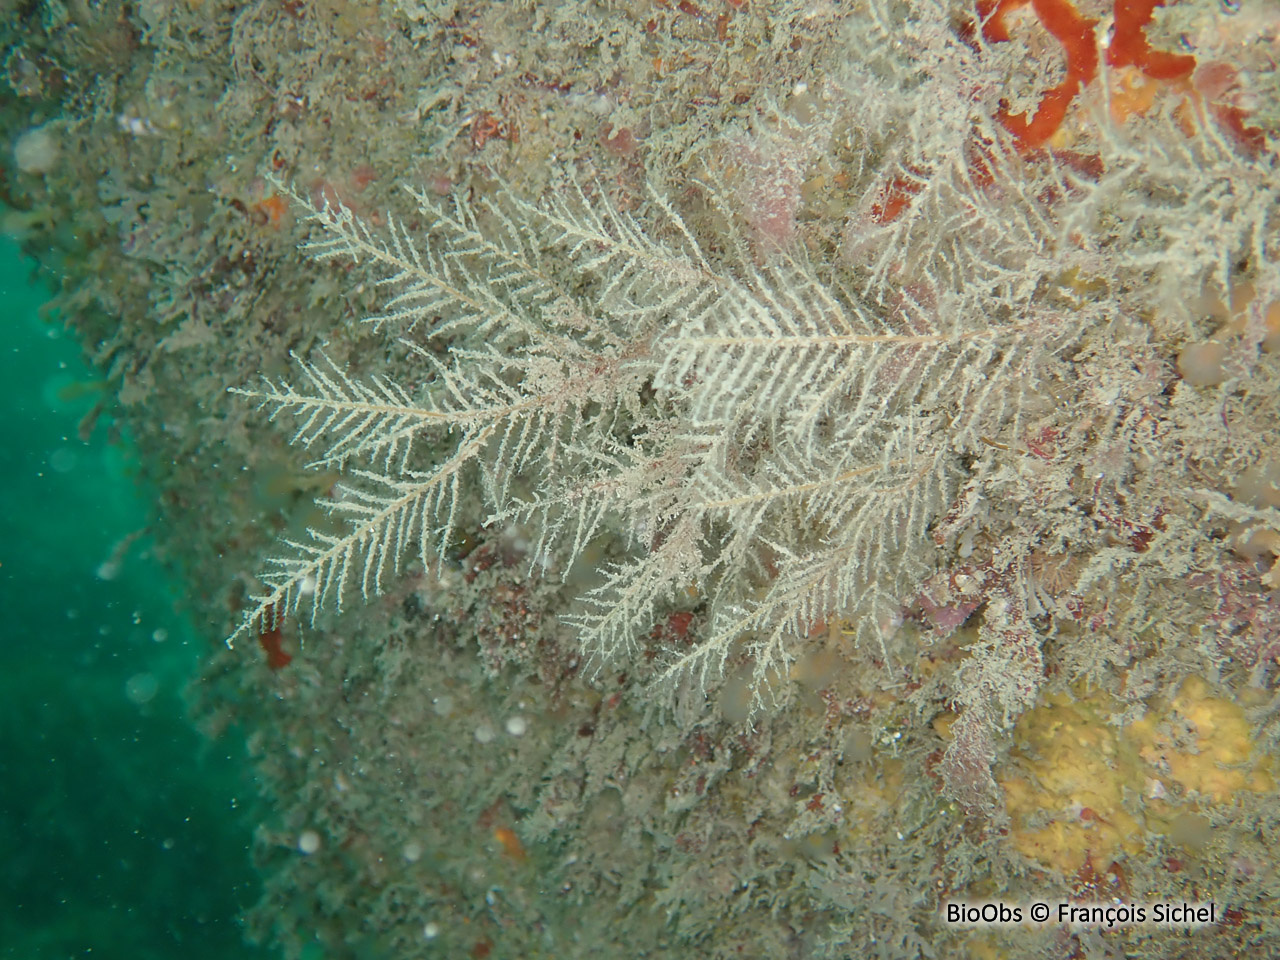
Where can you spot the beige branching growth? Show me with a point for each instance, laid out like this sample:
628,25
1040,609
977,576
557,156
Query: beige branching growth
751,433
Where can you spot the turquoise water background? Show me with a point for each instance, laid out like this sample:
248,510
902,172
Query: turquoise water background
123,832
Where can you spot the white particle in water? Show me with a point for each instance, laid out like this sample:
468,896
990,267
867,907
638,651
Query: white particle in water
308,842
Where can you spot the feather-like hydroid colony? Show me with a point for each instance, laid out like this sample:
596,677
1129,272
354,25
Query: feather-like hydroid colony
758,435
764,435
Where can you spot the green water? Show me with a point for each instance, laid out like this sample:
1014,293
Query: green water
123,833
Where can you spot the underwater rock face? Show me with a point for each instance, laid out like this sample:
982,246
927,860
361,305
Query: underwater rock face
807,464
